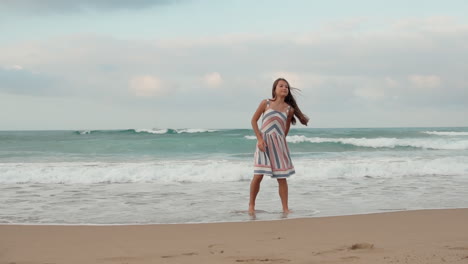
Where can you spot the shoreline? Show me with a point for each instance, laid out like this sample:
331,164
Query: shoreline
414,236
231,222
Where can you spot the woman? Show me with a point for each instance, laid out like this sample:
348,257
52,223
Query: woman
272,155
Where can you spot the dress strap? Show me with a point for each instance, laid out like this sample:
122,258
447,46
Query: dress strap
268,102
287,111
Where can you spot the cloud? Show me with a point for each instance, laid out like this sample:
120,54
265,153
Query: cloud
391,83
213,79
13,67
371,93
425,81
357,72
440,24
71,6
335,71
14,79
147,86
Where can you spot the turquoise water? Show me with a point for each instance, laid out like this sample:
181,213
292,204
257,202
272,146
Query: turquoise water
163,144
194,175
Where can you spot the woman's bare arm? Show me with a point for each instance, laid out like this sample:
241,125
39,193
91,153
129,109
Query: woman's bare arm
255,117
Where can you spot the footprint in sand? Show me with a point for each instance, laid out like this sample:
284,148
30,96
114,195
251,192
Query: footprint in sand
190,254
350,258
216,249
273,238
182,254
352,247
263,260
329,251
361,246
457,248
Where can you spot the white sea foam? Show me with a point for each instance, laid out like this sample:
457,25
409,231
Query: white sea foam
424,143
225,171
178,131
195,130
152,131
389,167
102,172
446,133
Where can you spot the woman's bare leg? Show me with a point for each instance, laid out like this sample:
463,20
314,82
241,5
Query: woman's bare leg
283,193
254,189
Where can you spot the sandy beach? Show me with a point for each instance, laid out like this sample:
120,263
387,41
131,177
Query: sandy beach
423,236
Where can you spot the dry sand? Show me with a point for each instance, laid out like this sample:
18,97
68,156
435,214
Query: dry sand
423,236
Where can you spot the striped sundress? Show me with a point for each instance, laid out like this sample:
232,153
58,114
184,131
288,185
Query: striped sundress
276,160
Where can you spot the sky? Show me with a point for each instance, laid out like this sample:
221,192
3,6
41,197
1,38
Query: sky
115,64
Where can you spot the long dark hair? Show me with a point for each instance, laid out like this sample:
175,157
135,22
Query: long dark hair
292,102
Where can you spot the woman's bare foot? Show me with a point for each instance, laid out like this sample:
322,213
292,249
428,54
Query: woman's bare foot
251,209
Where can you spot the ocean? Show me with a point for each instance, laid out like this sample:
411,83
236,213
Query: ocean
151,176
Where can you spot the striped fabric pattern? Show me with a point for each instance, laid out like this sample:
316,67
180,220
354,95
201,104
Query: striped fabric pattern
276,160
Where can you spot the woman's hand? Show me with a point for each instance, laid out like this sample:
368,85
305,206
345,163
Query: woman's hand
261,145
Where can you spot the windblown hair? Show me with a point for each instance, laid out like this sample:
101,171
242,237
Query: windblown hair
292,102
